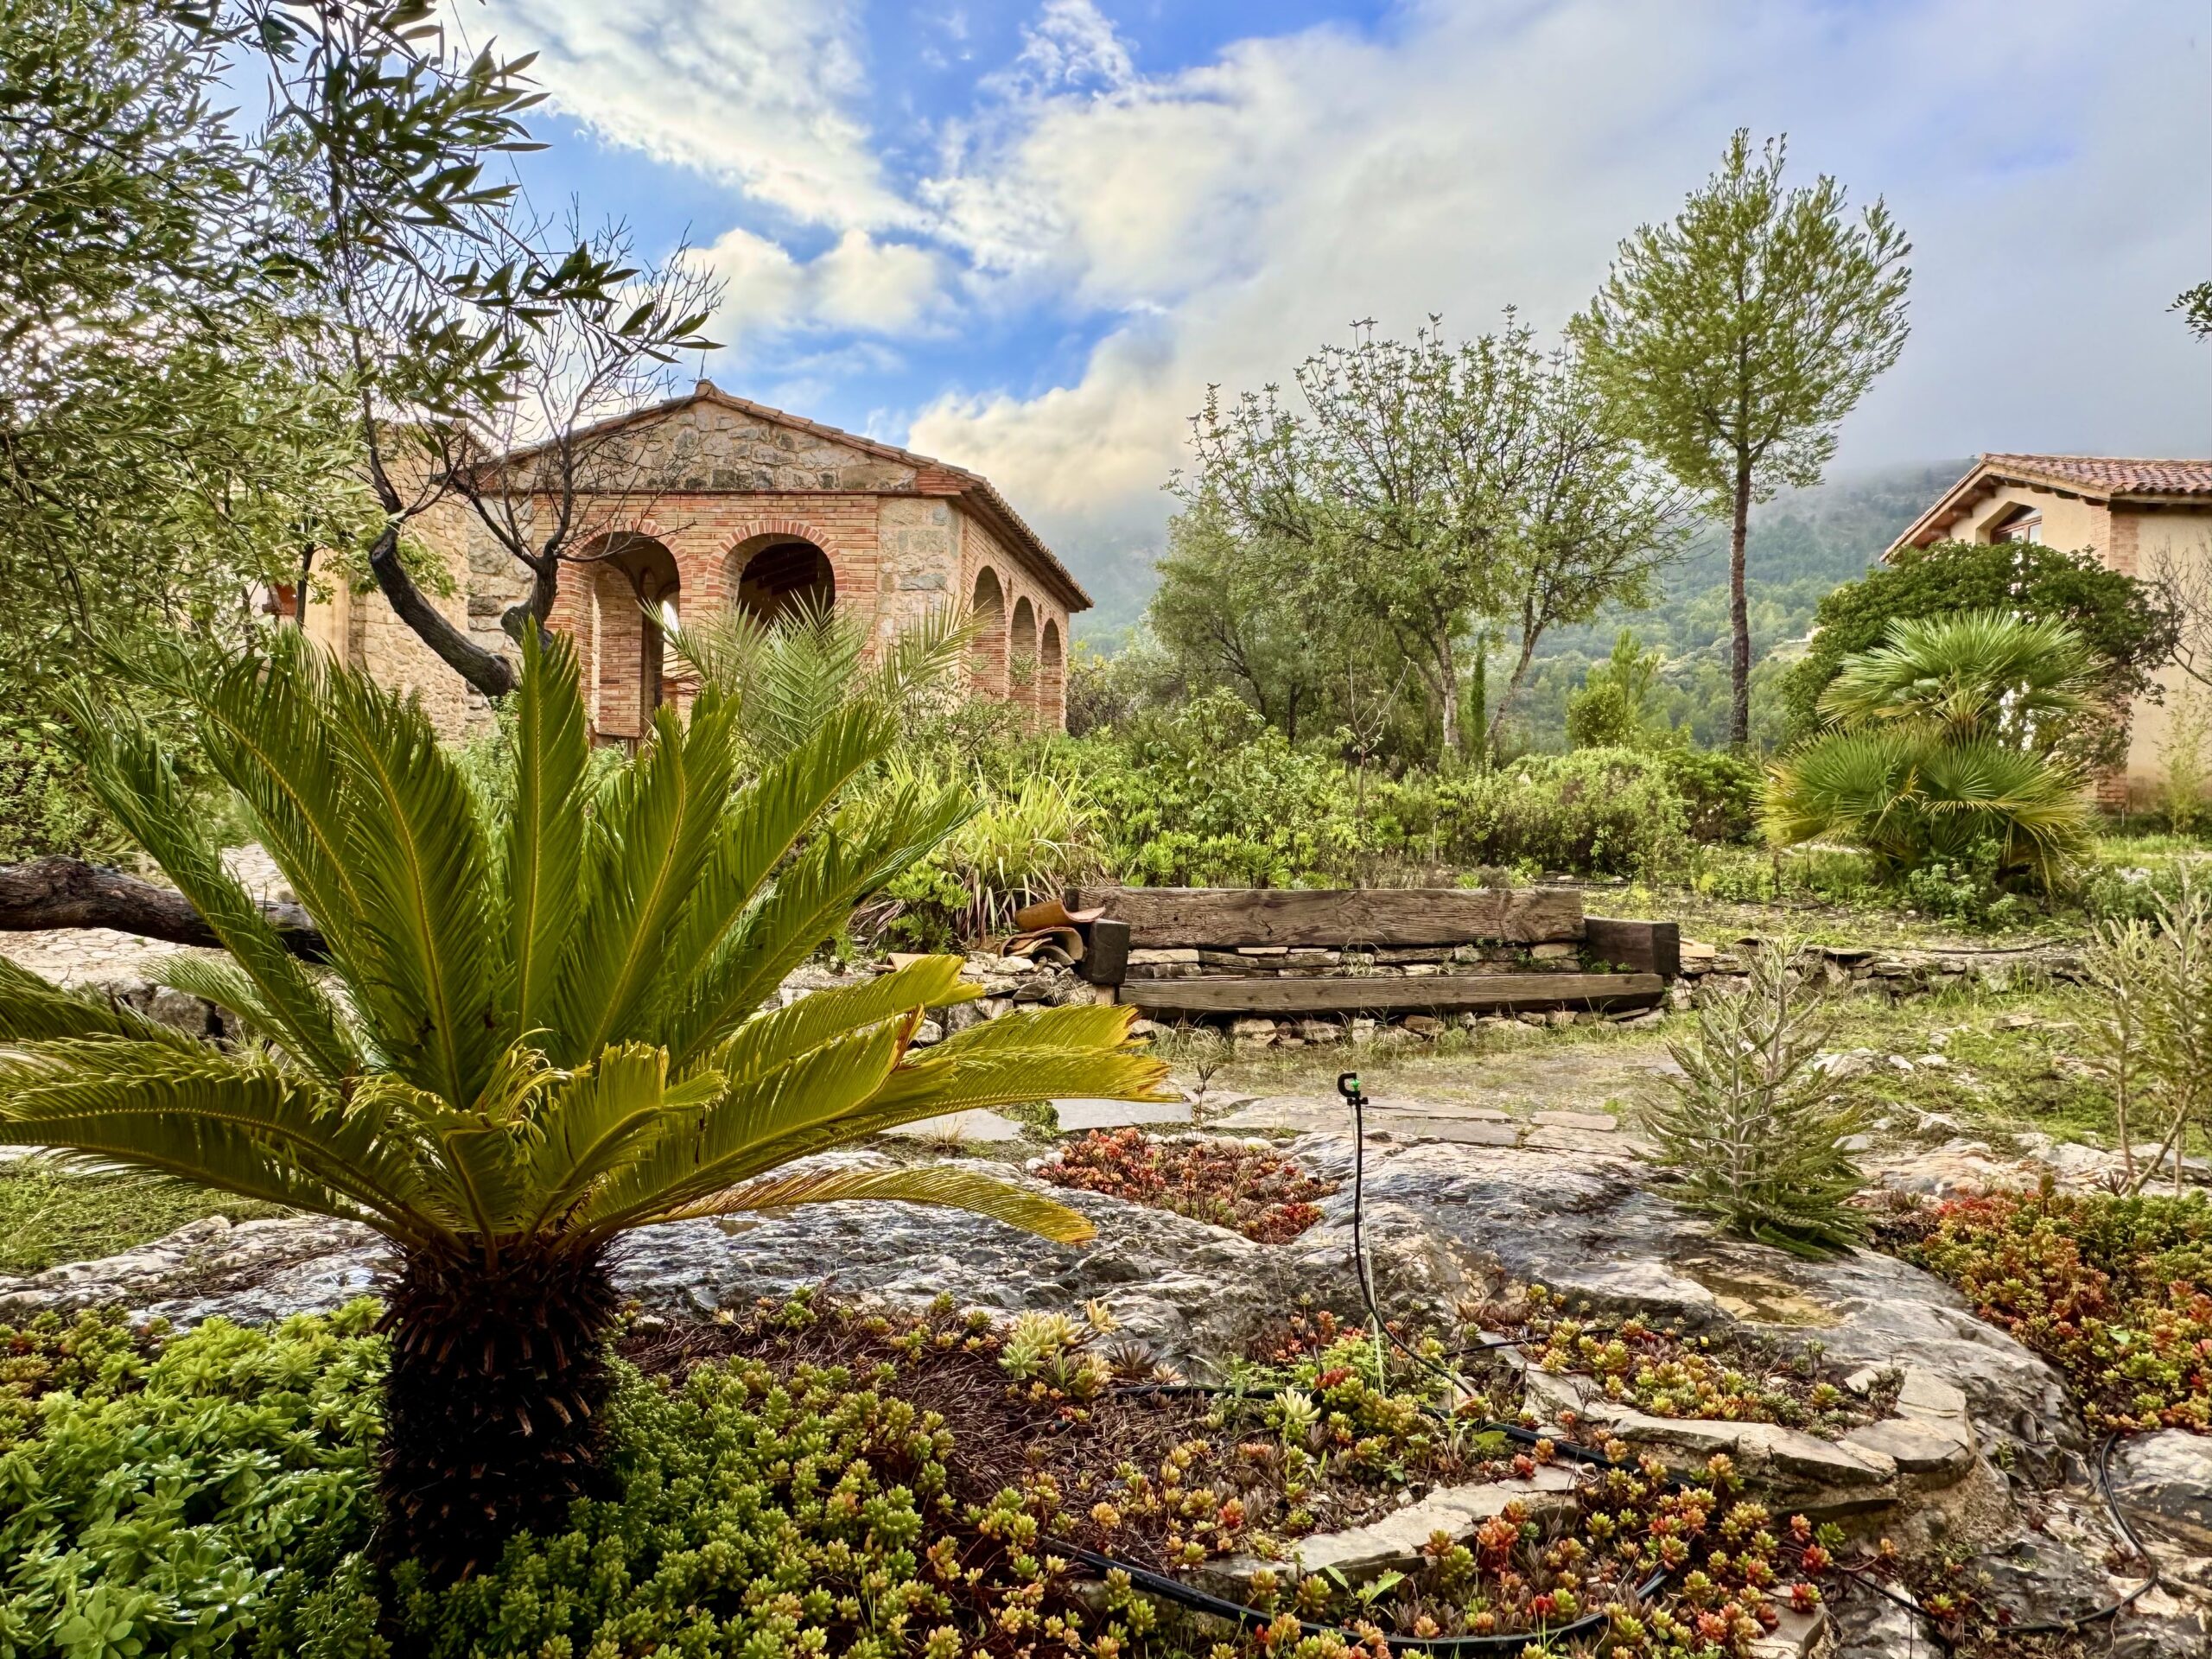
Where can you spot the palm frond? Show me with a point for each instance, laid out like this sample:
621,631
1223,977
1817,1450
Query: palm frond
766,820
426,977
236,1123
1049,1053
654,831
601,1120
768,1038
812,901
542,864
32,1010
262,723
950,1187
134,780
703,1152
1973,673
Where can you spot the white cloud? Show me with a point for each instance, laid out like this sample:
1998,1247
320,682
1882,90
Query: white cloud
761,93
858,284
1237,214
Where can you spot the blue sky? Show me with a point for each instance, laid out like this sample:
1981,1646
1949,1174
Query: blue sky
1025,234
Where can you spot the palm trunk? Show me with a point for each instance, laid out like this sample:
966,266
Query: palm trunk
1739,618
494,1403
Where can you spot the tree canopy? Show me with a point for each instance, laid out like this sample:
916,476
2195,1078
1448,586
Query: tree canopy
1736,337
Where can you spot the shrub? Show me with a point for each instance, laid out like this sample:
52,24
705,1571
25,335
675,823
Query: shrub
1265,1197
1720,793
1208,795
191,1495
1028,840
2112,1290
1965,889
1598,811
1749,1125
1953,741
2154,1043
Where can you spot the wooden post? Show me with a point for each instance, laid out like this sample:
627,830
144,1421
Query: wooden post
1105,953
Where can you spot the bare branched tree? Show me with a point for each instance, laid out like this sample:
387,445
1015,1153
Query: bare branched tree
443,306
552,469
2183,577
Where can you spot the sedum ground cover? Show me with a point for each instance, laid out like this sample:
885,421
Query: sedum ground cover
817,1479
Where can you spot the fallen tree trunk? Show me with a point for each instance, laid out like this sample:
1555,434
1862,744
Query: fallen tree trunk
69,892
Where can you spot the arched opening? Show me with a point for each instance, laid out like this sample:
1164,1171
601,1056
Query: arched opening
1051,680
1021,655
635,594
771,577
987,657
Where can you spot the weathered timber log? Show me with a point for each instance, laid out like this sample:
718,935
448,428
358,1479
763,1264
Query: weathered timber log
1171,918
1439,994
1639,947
69,892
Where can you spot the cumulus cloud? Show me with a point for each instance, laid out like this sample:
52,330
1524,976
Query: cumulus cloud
1235,214
761,93
857,284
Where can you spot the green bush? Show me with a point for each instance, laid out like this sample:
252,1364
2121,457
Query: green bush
195,1497
1595,811
1208,795
1965,889
44,805
1720,793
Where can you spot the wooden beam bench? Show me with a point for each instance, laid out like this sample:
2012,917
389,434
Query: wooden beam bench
1431,994
1174,918
1377,924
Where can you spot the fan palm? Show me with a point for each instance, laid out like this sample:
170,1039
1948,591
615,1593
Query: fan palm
530,1035
1975,674
1944,740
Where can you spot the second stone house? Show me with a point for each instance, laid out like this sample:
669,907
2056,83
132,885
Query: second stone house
739,505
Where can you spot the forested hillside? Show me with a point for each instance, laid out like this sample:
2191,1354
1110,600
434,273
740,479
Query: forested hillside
1802,544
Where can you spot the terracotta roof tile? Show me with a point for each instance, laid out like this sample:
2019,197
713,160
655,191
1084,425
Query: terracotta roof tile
2116,475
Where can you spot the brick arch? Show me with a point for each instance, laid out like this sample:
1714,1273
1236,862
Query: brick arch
734,538
987,657
624,574
1051,679
1021,655
785,571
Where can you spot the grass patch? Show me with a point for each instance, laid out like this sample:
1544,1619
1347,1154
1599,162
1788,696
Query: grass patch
49,1215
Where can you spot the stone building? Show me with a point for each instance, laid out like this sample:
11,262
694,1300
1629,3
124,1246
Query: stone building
2135,515
710,500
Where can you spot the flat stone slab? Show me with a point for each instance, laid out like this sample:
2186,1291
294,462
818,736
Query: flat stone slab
1461,1131
1078,1116
1917,1448
975,1124
1395,1541
1598,1123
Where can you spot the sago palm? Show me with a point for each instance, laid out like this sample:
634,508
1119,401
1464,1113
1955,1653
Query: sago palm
531,1034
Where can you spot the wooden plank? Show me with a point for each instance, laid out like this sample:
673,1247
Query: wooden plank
1179,917
1390,994
1640,947
1106,952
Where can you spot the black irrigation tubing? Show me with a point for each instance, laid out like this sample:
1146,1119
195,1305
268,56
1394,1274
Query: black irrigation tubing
2061,1626
1200,1601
